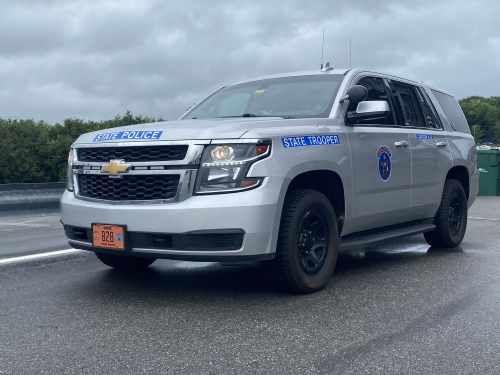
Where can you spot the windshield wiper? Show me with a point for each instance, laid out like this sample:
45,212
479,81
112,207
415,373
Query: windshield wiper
249,115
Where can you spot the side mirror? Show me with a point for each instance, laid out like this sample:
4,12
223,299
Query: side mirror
357,93
371,110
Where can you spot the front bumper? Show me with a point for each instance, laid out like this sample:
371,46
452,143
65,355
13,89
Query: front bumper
251,213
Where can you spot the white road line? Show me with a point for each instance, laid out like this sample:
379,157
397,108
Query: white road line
31,220
31,225
482,218
39,256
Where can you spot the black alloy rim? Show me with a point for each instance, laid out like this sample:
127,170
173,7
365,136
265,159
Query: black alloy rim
455,214
313,242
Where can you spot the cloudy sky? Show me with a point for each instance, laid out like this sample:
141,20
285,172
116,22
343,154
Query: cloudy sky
93,59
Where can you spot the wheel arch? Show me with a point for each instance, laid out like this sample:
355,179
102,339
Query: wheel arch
461,174
326,182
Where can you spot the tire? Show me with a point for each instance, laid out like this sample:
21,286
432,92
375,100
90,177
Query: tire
308,241
124,262
451,217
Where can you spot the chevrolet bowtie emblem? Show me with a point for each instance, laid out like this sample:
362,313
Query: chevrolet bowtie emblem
115,167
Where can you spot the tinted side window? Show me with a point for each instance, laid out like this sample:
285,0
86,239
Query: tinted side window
452,111
376,91
408,104
431,116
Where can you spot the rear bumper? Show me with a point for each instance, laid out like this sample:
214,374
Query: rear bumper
473,188
186,226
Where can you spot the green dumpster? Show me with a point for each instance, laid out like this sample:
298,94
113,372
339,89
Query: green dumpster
488,163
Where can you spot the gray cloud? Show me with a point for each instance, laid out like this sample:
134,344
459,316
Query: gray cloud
94,59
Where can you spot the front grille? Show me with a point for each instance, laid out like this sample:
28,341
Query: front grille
223,240
133,153
129,188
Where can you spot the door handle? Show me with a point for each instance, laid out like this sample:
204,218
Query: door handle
441,144
401,144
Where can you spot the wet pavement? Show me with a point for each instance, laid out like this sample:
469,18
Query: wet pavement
31,235
398,308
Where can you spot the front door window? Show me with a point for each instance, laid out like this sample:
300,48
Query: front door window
376,91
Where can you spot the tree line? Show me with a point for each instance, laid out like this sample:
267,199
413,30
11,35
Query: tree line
32,151
483,116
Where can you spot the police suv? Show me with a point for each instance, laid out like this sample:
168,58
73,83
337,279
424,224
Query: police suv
286,170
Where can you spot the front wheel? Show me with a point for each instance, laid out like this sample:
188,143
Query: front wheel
451,218
308,241
124,262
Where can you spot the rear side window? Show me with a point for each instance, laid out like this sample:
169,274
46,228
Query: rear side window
408,104
452,111
430,113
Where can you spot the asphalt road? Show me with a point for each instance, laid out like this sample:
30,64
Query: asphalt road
31,235
399,308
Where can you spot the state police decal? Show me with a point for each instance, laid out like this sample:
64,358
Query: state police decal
384,163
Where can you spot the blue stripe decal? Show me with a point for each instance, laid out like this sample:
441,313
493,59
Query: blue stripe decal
127,135
425,136
310,140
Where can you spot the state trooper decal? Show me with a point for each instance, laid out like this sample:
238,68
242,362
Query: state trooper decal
384,163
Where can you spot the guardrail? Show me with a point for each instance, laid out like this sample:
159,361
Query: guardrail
43,197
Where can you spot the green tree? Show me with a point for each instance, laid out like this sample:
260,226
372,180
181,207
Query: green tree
478,133
484,113
33,151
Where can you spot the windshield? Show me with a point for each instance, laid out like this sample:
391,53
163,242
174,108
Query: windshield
287,97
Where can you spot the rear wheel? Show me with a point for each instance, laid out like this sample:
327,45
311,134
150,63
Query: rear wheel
124,262
451,218
307,247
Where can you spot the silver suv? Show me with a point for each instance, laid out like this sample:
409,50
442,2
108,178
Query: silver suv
287,170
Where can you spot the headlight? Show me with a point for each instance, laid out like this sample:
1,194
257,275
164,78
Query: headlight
69,175
224,167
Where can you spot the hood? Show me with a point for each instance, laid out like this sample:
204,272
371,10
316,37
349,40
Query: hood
190,129
230,128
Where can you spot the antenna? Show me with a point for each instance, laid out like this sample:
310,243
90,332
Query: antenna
322,45
327,66
350,53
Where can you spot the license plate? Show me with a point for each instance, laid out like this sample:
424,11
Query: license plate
108,236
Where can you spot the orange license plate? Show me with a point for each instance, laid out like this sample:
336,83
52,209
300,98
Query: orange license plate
108,236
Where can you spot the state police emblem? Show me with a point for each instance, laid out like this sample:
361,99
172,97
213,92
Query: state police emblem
384,163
